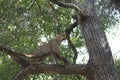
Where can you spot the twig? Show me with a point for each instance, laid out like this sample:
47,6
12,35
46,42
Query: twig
31,5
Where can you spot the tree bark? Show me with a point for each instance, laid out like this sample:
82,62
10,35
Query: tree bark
100,56
76,69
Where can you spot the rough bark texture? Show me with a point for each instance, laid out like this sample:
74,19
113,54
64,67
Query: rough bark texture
100,56
51,69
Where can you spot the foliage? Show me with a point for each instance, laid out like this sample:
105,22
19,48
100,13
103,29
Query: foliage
7,67
108,14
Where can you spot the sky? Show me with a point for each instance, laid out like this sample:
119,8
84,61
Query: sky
113,36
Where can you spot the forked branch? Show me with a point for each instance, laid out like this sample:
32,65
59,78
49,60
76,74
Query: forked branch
52,68
69,5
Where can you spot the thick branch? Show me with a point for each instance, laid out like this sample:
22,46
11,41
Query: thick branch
20,58
71,27
69,5
52,68
68,31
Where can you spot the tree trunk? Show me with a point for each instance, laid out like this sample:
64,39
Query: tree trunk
100,56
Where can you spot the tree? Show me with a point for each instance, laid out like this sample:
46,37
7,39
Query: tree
100,65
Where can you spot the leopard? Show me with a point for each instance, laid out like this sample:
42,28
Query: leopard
52,48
